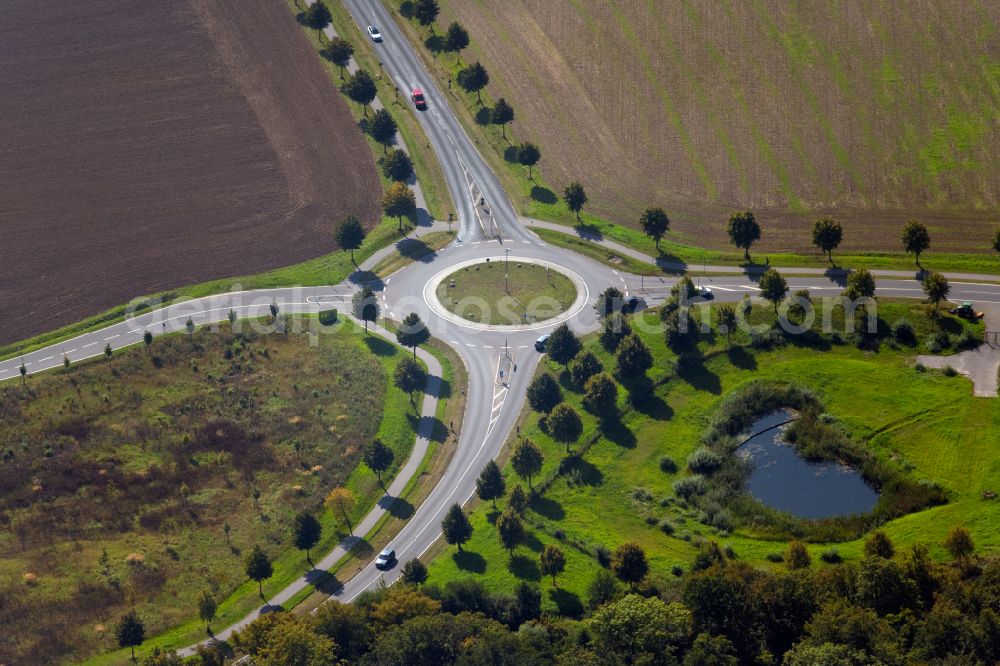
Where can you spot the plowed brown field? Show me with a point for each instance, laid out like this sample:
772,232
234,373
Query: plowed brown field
874,111
155,144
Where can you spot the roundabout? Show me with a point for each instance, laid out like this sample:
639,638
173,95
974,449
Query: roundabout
514,293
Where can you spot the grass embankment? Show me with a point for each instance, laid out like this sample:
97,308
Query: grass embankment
924,424
413,249
476,293
153,453
536,198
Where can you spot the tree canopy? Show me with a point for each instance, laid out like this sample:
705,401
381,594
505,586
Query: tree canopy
575,198
544,393
473,79
655,224
827,234
490,486
773,287
916,239
503,113
377,457
412,332
361,88
456,526
350,234
743,231
383,129
396,165
526,459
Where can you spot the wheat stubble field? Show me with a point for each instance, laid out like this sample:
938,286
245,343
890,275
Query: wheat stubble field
865,110
151,145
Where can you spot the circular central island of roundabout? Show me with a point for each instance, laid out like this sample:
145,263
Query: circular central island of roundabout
506,293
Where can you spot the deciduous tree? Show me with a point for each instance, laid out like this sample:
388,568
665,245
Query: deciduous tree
456,526
601,394
365,305
526,460
339,52
503,113
258,568
655,224
473,79
399,202
426,12
490,485
959,544
575,198
743,231
130,632
360,87
456,39
306,531
343,501
206,609
563,345
860,284
773,287
397,165
827,234
727,321
510,529
317,17
629,563
414,572
936,288
551,562
412,332
378,458
916,239
383,129
584,366
797,556
609,301
564,424
350,235
409,376
633,358
528,155
544,393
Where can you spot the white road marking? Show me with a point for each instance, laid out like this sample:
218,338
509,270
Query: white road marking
111,338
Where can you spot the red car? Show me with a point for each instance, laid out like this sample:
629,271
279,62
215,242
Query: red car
418,99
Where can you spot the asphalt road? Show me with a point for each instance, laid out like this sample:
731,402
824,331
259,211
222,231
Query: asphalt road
493,403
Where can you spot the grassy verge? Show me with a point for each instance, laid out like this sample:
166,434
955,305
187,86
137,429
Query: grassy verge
533,197
411,250
598,253
613,488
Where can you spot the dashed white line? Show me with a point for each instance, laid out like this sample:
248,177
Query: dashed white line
111,338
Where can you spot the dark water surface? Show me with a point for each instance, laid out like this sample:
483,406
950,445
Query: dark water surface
783,480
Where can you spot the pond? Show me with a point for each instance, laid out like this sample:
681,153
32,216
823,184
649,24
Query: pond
783,480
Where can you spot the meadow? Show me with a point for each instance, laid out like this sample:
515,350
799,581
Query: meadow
141,480
789,110
615,486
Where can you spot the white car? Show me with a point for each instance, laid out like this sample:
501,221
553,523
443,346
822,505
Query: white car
374,34
385,559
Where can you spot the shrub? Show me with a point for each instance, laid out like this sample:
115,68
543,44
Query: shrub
936,342
728,551
949,371
677,570
689,486
704,461
668,465
642,494
667,527
775,557
328,317
920,367
831,556
651,520
968,340
904,333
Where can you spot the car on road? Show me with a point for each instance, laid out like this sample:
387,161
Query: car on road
374,33
541,343
385,559
418,99
633,303
706,293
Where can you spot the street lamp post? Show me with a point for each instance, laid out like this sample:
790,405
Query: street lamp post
506,268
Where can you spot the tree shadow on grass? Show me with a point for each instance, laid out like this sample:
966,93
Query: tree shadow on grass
642,396
741,358
533,542
380,347
397,507
567,602
543,195
616,431
328,584
524,567
587,473
549,508
271,608
416,250
469,561
699,377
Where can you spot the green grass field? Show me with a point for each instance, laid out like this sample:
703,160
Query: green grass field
926,423
416,249
535,292
146,455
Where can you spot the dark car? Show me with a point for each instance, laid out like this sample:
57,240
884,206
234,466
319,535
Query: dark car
418,99
541,343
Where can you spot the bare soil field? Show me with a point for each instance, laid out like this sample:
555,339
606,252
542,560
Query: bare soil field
148,146
870,111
